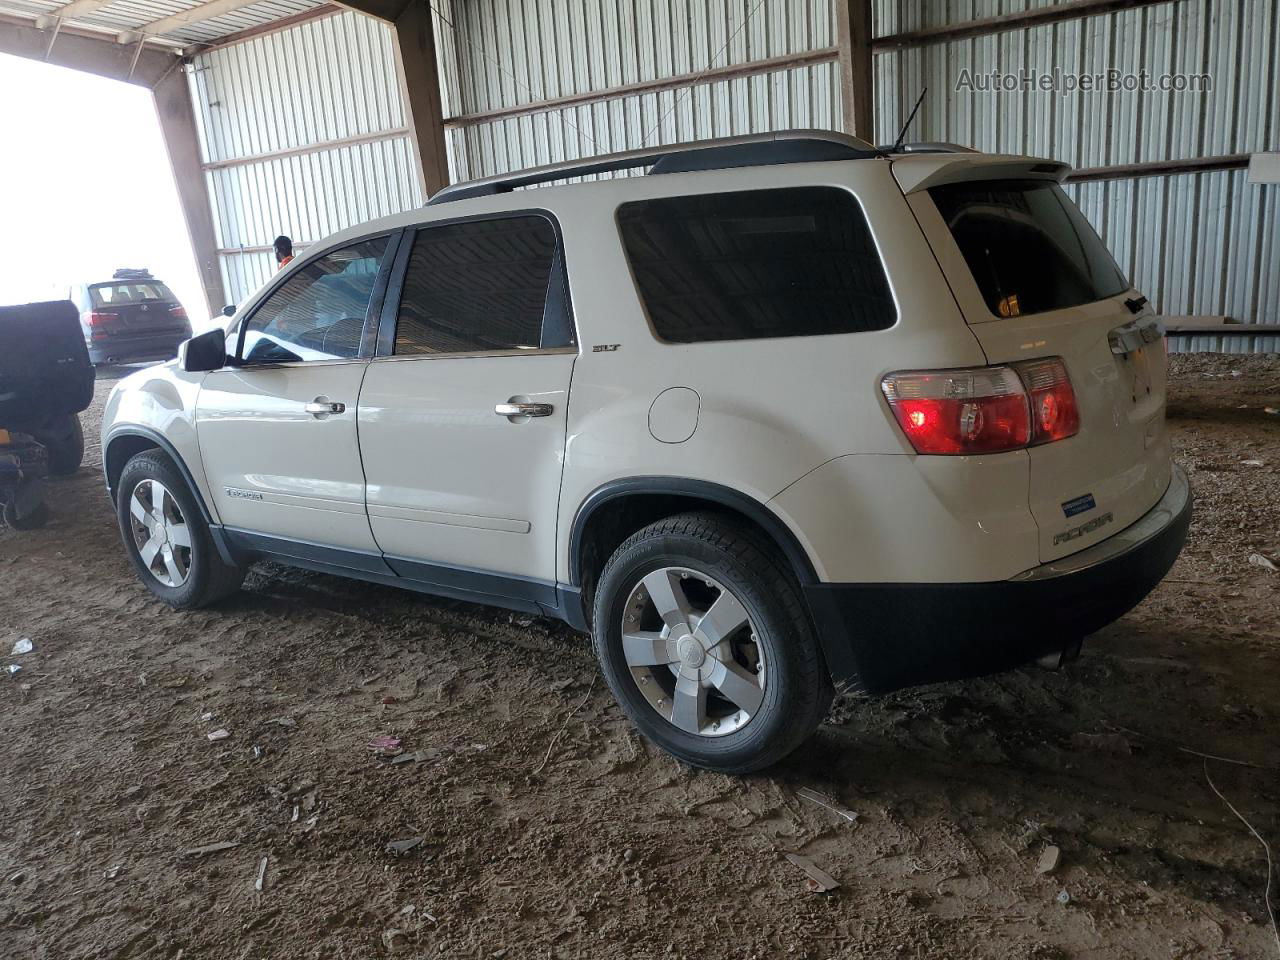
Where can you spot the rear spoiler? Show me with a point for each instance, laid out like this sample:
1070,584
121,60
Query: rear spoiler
921,171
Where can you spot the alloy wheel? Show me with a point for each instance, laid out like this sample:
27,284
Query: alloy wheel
160,533
692,650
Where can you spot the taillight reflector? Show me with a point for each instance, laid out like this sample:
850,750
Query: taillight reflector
983,409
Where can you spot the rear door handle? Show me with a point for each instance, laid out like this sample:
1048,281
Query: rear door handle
510,409
321,407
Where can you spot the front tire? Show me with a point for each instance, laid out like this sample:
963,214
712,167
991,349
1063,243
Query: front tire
704,639
166,537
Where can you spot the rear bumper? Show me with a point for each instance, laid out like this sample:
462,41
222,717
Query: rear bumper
880,637
162,346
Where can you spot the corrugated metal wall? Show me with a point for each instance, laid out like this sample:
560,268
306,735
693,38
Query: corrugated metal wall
510,52
329,80
1201,243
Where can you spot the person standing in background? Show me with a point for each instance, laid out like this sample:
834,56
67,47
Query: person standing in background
284,251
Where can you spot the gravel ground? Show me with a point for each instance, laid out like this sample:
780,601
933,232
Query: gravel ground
550,829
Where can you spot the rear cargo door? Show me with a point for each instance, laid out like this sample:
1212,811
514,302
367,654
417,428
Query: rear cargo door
1034,280
136,308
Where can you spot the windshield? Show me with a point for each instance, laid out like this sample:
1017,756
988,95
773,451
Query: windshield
114,294
1030,249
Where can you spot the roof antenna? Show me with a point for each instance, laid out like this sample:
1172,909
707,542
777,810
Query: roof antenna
898,143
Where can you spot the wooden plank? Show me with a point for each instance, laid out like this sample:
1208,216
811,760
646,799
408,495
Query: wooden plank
853,35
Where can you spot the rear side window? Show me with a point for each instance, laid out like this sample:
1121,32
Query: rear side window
481,286
115,294
1030,249
790,262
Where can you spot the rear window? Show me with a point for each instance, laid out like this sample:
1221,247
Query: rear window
1030,249
109,294
790,262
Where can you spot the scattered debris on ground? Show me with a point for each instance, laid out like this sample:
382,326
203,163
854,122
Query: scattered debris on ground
613,848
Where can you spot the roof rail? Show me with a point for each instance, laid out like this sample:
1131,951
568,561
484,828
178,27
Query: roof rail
759,149
930,146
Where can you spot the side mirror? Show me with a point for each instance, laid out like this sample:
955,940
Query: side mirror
205,352
229,310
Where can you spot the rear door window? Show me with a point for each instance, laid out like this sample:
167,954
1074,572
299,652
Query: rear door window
483,286
1029,248
790,262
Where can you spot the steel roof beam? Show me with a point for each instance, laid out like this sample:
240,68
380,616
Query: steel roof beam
206,11
69,11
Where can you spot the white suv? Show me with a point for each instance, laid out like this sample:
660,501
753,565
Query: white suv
788,414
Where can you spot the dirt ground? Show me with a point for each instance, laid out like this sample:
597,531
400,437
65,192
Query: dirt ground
550,829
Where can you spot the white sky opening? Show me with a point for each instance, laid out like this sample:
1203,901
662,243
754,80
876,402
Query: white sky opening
87,187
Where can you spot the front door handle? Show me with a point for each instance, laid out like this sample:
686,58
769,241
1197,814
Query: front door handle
511,409
321,407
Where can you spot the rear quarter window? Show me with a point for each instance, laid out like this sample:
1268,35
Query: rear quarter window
790,262
1029,248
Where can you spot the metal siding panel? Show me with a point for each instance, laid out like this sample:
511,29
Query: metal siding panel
324,80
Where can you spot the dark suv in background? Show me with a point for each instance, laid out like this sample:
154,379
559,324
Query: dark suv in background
129,318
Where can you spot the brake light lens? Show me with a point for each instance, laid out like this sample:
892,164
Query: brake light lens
95,320
1054,415
983,409
178,312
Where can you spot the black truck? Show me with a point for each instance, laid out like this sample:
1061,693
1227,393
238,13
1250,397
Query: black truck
46,379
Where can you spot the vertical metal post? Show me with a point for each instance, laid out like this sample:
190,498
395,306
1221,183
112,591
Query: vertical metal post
420,82
178,126
853,33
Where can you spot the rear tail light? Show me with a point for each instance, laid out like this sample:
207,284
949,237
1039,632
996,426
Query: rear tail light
983,409
96,320
1054,415
178,312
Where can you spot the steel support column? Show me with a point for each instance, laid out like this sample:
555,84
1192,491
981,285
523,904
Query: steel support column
419,81
178,126
853,38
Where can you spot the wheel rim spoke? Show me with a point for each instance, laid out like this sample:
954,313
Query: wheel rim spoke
722,620
667,594
160,533
162,501
693,651
175,571
689,711
645,648
737,686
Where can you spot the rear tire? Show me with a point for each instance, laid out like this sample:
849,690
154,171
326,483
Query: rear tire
742,682
166,537
34,520
63,437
